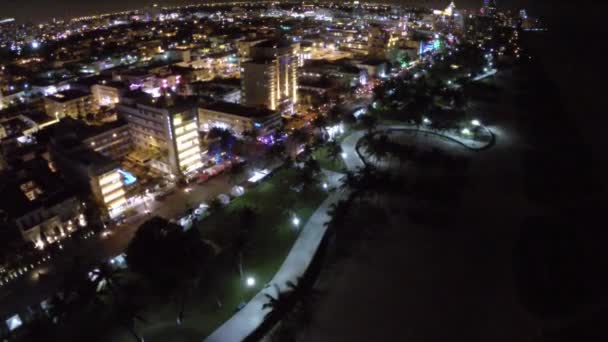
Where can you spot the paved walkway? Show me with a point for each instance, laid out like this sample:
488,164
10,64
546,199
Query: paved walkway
349,146
468,143
249,318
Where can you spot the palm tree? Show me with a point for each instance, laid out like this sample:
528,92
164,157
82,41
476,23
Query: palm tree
333,117
236,172
284,301
277,151
105,277
338,212
306,299
417,122
320,123
308,174
280,303
41,329
369,181
194,254
311,166
215,205
284,332
369,123
128,313
404,152
334,151
250,135
299,136
378,148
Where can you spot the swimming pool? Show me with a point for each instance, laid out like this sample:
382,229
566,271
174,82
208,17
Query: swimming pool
127,177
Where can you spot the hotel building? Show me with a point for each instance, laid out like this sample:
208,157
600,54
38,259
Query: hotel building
270,78
168,125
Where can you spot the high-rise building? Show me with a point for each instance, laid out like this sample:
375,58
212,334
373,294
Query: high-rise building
167,125
523,15
489,7
239,119
380,41
90,170
270,78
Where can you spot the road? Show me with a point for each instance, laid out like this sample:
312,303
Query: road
31,288
246,320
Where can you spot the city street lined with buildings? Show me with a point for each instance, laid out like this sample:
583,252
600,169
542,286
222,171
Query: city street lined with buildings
182,149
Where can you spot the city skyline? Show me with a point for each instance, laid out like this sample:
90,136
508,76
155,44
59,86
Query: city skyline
43,10
274,170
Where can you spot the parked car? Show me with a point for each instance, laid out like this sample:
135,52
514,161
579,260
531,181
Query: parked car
161,196
202,178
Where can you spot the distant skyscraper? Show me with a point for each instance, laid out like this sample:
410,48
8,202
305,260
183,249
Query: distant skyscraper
523,15
380,41
270,78
489,7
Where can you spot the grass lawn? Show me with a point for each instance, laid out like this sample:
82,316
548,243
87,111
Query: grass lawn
272,237
382,121
325,162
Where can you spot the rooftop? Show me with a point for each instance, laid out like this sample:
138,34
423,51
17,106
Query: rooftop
72,148
237,109
78,129
274,44
68,95
339,65
15,203
171,102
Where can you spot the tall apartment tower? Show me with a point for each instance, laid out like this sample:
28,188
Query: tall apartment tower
167,125
489,7
270,77
380,41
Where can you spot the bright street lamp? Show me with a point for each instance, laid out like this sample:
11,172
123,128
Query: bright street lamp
475,122
466,131
325,186
295,221
343,154
250,281
426,121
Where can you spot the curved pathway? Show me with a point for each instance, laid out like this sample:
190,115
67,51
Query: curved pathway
249,318
466,143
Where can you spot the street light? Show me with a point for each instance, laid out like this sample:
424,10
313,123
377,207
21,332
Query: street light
325,186
466,131
250,281
295,221
475,122
426,121
344,155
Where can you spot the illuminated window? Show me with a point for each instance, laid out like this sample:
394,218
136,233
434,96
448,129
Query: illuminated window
31,190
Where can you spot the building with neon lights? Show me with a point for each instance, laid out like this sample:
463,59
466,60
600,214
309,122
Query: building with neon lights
167,125
238,118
